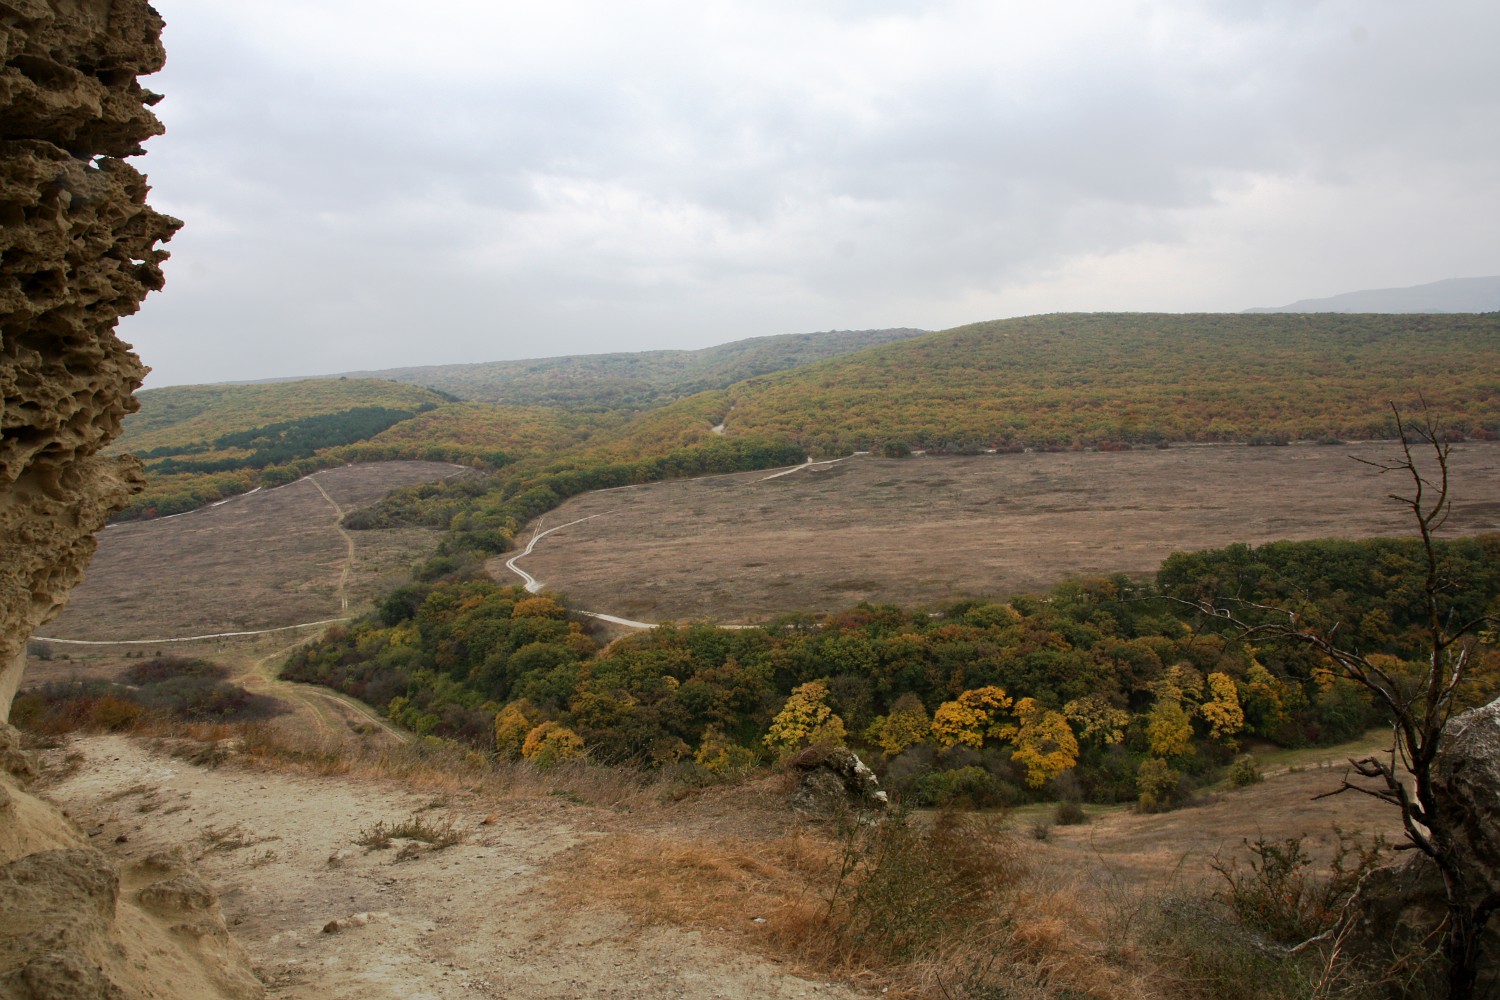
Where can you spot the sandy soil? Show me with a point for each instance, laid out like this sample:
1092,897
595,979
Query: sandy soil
927,529
479,919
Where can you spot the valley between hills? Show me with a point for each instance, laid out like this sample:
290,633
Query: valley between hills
1029,658
305,661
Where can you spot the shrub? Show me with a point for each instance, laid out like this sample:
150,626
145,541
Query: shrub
1245,771
721,756
550,743
437,833
902,891
1159,786
968,787
165,668
1277,894
115,714
1069,813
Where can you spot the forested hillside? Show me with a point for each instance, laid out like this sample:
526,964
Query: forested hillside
185,416
1105,380
204,442
639,379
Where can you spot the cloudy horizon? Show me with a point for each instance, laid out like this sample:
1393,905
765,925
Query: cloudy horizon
363,190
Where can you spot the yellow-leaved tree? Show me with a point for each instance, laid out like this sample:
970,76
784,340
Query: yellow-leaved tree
1221,709
1097,719
907,726
971,718
721,755
806,720
1169,727
1045,744
512,723
550,743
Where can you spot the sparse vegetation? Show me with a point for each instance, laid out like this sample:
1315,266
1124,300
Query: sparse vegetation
1245,771
1277,893
436,833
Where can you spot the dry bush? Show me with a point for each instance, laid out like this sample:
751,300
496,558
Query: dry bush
1278,893
940,909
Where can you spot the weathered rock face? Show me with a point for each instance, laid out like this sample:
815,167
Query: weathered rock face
1467,781
77,926
832,780
1401,908
79,248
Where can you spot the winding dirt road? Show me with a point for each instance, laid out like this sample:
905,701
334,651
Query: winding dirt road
533,585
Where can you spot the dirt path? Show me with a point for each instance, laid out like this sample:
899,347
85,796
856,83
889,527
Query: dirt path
479,919
531,583
338,525
321,710
184,638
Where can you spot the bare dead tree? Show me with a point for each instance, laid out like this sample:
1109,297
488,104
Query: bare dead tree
1421,706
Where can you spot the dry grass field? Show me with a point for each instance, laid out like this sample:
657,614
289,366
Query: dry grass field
914,531
260,561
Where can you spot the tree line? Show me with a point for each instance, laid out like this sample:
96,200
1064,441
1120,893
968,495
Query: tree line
1111,689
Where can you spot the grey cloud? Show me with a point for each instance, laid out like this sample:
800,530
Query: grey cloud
672,182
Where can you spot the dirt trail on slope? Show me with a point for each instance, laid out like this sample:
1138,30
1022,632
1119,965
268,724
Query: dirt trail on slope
338,525
474,920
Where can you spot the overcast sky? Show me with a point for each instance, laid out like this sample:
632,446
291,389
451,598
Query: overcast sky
375,184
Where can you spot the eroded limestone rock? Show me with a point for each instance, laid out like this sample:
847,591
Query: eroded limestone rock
79,248
1467,782
831,780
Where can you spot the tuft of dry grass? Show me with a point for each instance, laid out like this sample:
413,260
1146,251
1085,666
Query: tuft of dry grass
436,833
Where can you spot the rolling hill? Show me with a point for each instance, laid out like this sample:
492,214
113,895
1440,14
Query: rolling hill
1106,380
184,416
202,443
637,379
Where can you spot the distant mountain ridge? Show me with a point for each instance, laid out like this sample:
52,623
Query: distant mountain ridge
1454,295
635,379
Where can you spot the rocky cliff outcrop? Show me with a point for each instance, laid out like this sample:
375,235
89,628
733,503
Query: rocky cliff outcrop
79,248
